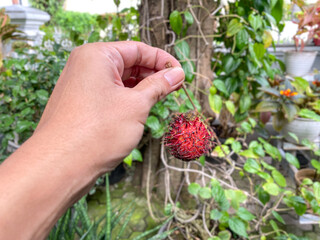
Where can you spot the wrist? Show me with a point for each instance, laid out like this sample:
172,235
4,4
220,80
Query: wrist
42,178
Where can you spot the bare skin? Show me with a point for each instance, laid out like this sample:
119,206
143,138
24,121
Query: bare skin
91,122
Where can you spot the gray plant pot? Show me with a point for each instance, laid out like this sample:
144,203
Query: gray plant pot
302,127
299,64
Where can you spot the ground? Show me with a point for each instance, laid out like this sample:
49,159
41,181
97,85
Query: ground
123,194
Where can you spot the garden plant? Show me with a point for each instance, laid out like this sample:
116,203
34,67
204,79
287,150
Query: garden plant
233,182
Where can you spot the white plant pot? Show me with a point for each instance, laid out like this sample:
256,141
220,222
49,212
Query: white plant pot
302,127
299,64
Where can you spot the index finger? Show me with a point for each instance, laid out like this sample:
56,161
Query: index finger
140,54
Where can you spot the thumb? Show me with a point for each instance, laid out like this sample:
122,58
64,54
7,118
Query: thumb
160,84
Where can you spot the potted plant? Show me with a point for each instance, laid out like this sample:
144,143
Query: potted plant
295,106
8,31
308,186
299,62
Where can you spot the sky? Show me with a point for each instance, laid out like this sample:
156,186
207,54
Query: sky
90,6
98,6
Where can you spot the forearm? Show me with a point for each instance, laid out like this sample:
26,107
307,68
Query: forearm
39,182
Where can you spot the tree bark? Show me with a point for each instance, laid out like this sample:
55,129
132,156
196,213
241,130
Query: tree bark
155,31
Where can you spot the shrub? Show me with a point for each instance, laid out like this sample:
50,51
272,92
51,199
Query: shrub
25,85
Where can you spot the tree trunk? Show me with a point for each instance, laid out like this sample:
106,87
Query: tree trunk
155,31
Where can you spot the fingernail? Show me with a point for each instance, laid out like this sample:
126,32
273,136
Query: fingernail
174,75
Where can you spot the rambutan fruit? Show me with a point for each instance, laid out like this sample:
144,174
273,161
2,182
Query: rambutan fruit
189,137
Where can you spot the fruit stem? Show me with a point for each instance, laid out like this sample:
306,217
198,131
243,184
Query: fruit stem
185,90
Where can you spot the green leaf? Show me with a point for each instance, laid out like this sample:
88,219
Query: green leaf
189,18
236,146
245,102
270,91
252,122
266,176
278,217
230,65
116,2
189,69
316,190
26,111
23,126
252,166
298,203
272,151
249,154
215,214
215,102
218,194
230,140
242,39
202,160
236,197
214,238
168,209
231,84
267,106
271,188
205,192
274,226
238,226
194,188
294,136
8,120
262,81
300,84
273,3
94,37
182,50
307,181
277,11
290,111
161,110
219,84
153,123
128,160
224,235
225,217
263,196
221,151
292,160
136,155
259,150
43,96
267,166
315,164
116,22
278,120
244,214
306,113
279,178
231,107
175,20
259,50
234,27
246,127
255,21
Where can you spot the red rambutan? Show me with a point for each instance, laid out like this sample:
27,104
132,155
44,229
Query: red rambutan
189,137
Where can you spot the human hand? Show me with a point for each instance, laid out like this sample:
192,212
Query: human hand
91,122
103,97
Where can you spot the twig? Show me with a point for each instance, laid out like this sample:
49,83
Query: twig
268,212
205,174
148,185
185,90
204,220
